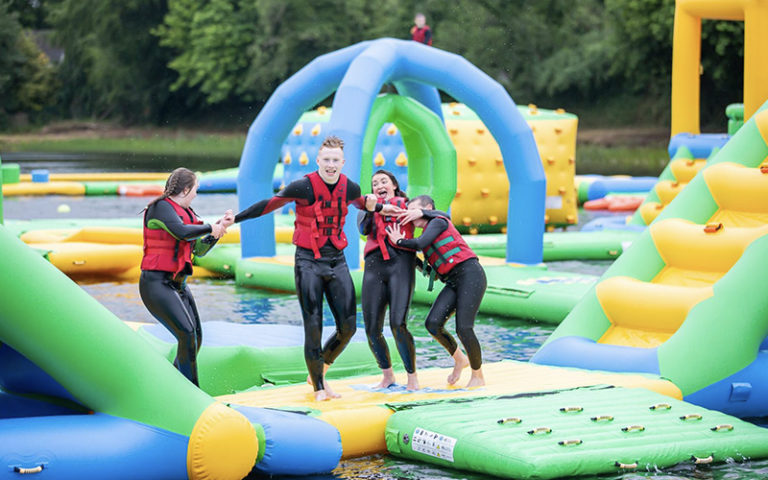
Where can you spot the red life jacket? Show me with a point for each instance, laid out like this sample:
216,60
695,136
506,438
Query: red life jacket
448,250
420,34
322,220
378,236
161,250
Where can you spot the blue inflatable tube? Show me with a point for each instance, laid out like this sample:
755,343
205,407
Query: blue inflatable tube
295,443
360,71
700,145
216,185
615,222
90,447
388,60
581,352
599,188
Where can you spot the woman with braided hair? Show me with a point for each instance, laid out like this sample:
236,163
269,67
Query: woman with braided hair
172,233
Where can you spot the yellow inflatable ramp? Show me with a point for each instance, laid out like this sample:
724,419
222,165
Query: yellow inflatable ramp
361,413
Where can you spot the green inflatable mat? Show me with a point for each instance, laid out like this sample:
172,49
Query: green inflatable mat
589,431
597,245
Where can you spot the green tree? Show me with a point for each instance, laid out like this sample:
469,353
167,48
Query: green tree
113,66
27,78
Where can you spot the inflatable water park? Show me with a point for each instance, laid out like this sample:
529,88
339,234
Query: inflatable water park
659,361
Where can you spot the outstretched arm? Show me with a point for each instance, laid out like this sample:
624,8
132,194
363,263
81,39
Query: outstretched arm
431,232
161,215
299,191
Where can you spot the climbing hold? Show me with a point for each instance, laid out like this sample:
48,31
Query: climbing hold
322,109
484,192
499,161
472,161
675,184
713,227
764,168
571,160
560,111
550,228
379,160
533,128
458,193
287,158
550,160
453,104
392,130
303,158
315,130
480,131
546,218
561,190
453,131
401,160
570,218
493,219
467,221
690,162
456,112
503,229
298,129
558,130
473,231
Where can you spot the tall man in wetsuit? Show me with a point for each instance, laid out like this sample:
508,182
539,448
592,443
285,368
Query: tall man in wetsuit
421,32
321,200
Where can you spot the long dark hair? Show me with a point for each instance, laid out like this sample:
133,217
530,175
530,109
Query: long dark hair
178,181
398,192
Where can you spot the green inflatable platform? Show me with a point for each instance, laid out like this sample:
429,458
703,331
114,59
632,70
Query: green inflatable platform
587,431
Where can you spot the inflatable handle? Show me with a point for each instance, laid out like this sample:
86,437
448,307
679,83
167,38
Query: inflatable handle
27,471
713,227
568,443
78,262
633,428
503,421
764,169
702,461
727,427
539,430
660,406
572,409
626,466
602,418
691,416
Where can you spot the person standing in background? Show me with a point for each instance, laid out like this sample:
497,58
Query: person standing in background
421,32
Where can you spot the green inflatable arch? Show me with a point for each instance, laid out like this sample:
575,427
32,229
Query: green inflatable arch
431,154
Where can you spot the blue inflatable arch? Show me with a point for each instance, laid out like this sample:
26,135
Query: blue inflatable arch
360,71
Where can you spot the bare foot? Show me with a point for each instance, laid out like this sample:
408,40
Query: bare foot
476,380
321,396
388,378
329,392
460,363
413,382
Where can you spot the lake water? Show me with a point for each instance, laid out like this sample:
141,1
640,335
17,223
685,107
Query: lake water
223,300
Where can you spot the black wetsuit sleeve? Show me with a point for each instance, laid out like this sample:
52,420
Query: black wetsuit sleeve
165,213
434,228
365,222
354,195
430,214
299,191
428,36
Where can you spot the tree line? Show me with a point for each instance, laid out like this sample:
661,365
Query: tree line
182,61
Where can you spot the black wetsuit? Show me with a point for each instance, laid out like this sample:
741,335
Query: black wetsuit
464,288
327,276
167,296
389,283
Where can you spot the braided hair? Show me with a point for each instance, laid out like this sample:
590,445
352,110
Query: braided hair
398,192
178,181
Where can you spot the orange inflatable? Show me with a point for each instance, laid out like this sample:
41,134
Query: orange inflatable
140,190
622,203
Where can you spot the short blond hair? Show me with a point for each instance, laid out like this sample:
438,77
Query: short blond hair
332,141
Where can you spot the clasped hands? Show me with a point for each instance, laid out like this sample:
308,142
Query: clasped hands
219,228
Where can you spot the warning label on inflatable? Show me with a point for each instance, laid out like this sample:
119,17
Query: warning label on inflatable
433,444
